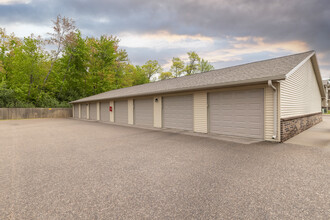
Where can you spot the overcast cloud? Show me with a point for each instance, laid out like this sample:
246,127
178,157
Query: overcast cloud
224,32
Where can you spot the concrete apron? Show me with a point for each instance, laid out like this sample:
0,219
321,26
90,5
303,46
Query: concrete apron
316,136
235,139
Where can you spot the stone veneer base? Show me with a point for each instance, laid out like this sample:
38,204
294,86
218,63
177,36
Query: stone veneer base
292,126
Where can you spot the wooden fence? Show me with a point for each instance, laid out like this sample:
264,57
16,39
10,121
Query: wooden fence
25,113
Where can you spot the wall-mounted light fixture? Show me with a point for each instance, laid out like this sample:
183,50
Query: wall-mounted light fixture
156,99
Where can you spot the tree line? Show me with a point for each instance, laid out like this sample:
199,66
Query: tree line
37,72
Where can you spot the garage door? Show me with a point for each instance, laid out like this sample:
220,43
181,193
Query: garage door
178,112
84,111
121,112
92,111
76,110
105,114
144,112
239,113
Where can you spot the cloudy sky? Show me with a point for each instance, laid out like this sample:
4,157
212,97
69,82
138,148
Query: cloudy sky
225,32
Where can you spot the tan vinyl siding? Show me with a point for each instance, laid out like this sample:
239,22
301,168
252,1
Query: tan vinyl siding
87,111
84,110
278,86
93,111
200,112
112,114
269,114
98,111
130,111
300,94
79,111
158,112
73,114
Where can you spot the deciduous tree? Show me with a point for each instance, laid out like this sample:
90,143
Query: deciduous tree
165,75
177,67
205,66
193,64
64,32
150,68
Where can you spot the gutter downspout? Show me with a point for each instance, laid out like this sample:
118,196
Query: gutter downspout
270,84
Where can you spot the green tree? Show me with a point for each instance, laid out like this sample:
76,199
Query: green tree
71,70
27,68
165,75
64,32
133,75
193,65
76,68
150,68
105,66
205,66
177,66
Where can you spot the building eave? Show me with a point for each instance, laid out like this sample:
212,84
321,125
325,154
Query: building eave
204,87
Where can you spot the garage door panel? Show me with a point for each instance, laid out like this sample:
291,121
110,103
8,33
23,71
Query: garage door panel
144,112
178,112
92,111
121,112
237,113
84,111
76,111
104,110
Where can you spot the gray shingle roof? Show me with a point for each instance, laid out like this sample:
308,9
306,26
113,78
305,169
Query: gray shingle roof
260,71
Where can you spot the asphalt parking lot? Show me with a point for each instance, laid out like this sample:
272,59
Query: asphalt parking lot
70,169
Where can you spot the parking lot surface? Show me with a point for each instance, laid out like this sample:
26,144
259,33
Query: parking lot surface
70,169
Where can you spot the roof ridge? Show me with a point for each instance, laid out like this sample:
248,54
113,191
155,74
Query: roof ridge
310,51
197,76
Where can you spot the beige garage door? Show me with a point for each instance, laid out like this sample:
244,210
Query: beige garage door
178,112
105,114
238,113
76,111
84,110
92,111
144,112
121,112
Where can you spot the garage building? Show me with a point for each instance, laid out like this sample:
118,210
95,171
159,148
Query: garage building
271,100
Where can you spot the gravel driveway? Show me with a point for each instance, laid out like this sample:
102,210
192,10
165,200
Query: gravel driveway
70,169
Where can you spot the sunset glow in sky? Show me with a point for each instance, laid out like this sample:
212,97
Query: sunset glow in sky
226,33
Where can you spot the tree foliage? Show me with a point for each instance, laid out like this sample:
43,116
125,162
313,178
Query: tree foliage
151,67
205,66
194,65
177,67
165,75
79,67
37,72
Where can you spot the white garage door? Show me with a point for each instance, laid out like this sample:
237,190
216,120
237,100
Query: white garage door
105,114
84,111
144,112
121,112
178,112
76,110
92,111
239,113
